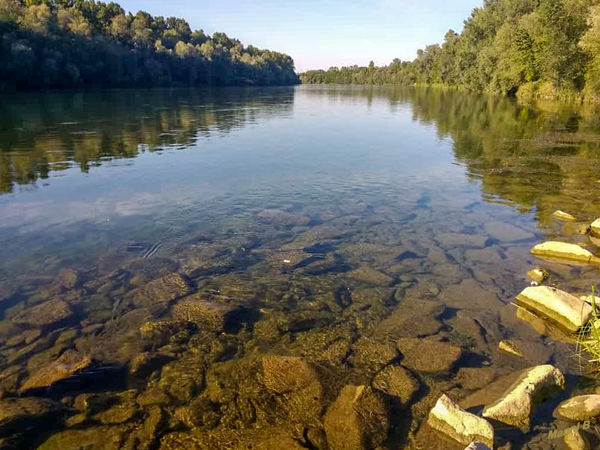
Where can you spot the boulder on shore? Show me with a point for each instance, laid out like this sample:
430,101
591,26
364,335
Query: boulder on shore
579,408
462,426
595,228
565,309
516,406
566,251
358,419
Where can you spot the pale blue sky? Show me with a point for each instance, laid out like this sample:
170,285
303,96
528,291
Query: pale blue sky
320,34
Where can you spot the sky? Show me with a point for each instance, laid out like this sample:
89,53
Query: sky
319,34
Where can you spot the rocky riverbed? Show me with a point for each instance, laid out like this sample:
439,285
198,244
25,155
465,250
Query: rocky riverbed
323,342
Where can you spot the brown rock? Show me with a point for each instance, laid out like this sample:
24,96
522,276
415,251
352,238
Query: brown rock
162,290
428,356
358,419
69,363
45,314
206,314
20,414
397,382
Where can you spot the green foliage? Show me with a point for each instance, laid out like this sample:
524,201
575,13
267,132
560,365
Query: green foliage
84,43
505,45
588,342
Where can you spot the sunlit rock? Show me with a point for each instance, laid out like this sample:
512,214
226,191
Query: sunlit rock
510,347
370,353
538,275
576,440
282,374
595,228
45,314
561,307
358,419
516,406
579,408
68,364
561,215
448,418
426,355
565,251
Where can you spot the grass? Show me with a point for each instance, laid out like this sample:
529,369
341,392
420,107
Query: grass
589,340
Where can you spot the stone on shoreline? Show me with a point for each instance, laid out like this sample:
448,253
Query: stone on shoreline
516,406
69,363
561,307
462,426
425,355
595,228
563,250
561,215
538,275
358,419
579,408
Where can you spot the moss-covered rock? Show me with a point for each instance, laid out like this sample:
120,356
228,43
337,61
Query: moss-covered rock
45,314
358,419
20,415
426,355
68,364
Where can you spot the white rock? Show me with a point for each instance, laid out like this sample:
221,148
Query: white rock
561,215
579,408
563,250
516,406
538,275
595,228
462,426
565,309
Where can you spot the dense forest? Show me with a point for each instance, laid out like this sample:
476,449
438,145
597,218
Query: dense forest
532,48
47,44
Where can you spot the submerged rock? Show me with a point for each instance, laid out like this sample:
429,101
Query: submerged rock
101,437
595,228
462,426
206,314
505,232
162,290
579,408
516,406
428,356
565,309
68,278
368,275
358,419
282,374
538,275
397,382
510,347
45,314
566,251
18,415
69,363
561,215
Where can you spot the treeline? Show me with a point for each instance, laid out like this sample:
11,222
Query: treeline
533,48
47,44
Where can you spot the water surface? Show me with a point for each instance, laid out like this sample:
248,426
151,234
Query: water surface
324,216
